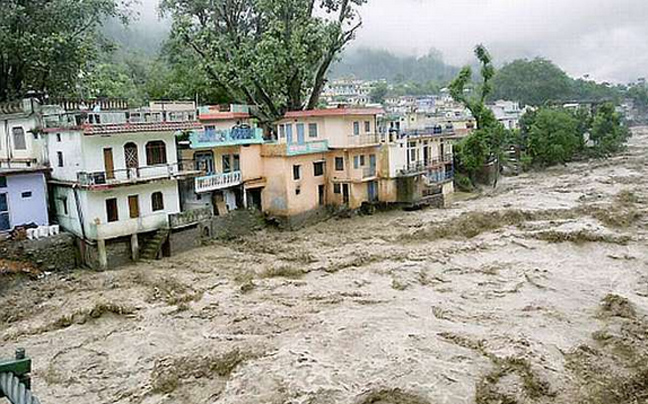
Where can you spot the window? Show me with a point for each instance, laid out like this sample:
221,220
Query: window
64,202
111,210
58,137
362,160
282,131
336,189
237,162
339,164
3,182
156,153
133,206
356,162
356,128
297,191
19,138
296,172
318,169
59,157
26,195
227,163
367,127
157,201
312,130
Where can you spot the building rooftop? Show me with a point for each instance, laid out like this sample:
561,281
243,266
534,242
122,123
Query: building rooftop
223,116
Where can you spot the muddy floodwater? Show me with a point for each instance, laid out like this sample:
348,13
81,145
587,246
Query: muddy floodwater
536,292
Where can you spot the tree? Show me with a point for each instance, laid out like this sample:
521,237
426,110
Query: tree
273,54
46,44
379,92
553,136
484,117
608,133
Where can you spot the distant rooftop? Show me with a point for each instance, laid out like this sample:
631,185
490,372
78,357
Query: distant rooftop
334,112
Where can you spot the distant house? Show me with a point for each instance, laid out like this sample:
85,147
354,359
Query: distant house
23,166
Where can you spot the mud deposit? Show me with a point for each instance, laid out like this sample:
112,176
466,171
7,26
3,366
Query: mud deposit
535,293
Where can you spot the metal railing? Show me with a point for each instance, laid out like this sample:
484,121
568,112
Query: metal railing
316,146
368,172
15,383
222,137
128,174
218,181
420,167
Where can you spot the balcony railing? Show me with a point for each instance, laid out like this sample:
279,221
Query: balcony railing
218,181
225,137
366,139
368,172
421,167
295,149
436,177
129,175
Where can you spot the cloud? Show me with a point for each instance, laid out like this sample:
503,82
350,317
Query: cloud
604,38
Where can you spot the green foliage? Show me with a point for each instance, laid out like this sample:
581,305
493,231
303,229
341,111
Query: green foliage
379,92
638,93
371,64
463,183
607,132
539,81
274,54
531,82
46,44
553,137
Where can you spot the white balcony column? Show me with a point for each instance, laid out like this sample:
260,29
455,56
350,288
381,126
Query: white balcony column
134,247
245,201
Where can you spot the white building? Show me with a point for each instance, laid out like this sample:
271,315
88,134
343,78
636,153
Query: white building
115,173
508,113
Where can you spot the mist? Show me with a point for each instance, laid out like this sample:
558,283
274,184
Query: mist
607,40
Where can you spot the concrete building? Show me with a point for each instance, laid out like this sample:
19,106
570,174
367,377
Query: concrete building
115,174
23,166
227,152
508,113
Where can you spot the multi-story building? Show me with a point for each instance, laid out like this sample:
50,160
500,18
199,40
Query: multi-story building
226,150
332,155
418,168
508,113
115,174
23,166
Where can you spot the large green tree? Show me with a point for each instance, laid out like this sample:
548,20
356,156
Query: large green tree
553,136
608,133
46,44
274,54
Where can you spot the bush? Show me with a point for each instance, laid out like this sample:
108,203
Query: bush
463,183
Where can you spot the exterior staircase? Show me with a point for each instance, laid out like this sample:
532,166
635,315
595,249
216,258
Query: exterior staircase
153,247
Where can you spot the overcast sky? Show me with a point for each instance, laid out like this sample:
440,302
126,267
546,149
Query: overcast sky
607,39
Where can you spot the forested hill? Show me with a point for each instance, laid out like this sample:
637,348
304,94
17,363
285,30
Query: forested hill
370,64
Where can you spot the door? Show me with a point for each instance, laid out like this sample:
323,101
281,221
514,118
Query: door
109,165
372,164
320,195
442,150
132,159
372,191
345,194
205,162
4,213
301,133
289,134
133,206
426,155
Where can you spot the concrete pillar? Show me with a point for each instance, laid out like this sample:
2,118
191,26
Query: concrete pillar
103,255
245,201
134,247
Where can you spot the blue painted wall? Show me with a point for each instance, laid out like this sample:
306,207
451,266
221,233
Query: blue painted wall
25,209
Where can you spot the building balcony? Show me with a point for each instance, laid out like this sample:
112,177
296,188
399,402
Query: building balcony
294,149
216,182
225,137
437,177
127,227
421,167
131,175
364,140
368,172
